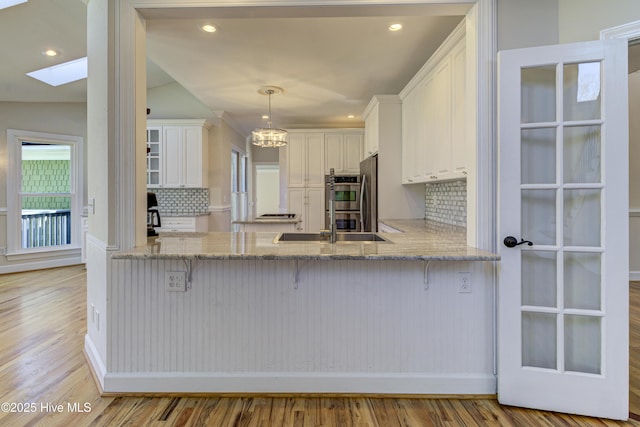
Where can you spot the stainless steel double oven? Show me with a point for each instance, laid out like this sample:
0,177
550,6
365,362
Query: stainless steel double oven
347,202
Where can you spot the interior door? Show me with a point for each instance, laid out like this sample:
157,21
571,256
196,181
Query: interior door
563,220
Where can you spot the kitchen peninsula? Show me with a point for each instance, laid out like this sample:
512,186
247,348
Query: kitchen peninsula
257,316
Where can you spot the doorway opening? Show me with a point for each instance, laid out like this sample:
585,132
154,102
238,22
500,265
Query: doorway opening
267,188
44,192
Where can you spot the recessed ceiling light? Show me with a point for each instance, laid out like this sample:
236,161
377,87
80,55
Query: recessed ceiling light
8,3
208,28
60,74
351,116
51,52
265,116
395,27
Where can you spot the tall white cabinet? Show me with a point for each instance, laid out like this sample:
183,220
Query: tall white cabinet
305,173
434,137
178,153
308,156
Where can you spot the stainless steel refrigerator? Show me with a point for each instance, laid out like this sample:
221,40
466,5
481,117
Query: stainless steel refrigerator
369,194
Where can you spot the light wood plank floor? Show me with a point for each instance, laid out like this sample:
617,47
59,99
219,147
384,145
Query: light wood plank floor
42,326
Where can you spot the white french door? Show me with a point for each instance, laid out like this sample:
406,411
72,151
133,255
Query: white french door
563,220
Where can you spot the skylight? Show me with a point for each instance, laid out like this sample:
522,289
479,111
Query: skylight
60,74
8,3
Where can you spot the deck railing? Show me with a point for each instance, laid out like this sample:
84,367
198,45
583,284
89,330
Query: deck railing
46,228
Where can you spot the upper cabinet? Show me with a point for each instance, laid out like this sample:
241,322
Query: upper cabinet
181,153
342,152
305,160
371,125
154,156
434,137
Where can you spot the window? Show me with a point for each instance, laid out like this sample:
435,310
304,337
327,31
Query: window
44,190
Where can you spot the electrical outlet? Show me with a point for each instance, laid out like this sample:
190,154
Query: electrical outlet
97,320
93,314
464,282
175,281
3,250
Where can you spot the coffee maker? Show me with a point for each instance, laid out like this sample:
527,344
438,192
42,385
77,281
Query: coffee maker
153,215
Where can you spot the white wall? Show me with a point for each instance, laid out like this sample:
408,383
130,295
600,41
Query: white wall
634,175
172,101
61,118
582,20
223,140
526,23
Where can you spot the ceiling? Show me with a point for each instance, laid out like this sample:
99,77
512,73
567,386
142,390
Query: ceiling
329,66
330,61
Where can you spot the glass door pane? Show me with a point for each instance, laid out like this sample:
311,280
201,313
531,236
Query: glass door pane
560,171
45,197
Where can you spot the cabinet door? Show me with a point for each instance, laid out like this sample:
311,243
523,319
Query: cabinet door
409,135
296,160
441,138
296,204
172,156
352,153
333,156
315,209
315,160
154,156
192,156
459,151
371,130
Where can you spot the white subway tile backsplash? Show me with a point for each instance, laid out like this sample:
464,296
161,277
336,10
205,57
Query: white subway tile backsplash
447,202
182,201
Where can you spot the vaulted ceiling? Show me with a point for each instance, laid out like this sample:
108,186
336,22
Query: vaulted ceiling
330,61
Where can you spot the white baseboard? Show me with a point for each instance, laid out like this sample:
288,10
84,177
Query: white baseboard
40,265
304,383
634,276
97,365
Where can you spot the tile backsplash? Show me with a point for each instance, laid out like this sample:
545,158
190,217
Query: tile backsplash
447,202
182,201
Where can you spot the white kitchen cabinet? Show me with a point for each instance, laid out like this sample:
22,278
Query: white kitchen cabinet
415,162
342,152
305,162
309,204
460,146
371,133
310,154
154,156
305,159
434,141
183,153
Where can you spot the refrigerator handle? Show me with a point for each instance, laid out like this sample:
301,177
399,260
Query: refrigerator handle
362,190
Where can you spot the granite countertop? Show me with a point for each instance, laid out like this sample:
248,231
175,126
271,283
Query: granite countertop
432,245
421,225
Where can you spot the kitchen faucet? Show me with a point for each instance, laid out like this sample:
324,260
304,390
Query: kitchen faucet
332,208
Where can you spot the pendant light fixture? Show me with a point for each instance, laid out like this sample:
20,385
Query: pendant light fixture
269,136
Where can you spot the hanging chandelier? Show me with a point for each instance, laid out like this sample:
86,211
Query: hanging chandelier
269,136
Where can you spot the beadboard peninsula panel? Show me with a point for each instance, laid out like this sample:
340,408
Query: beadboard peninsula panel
247,322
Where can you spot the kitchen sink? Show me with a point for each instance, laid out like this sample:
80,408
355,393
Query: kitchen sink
321,238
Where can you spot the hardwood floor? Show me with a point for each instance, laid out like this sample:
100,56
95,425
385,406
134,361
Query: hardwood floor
42,327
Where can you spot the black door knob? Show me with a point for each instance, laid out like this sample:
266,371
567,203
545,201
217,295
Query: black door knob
512,242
